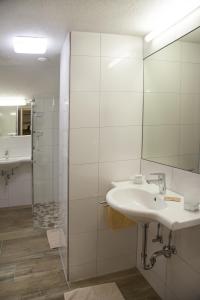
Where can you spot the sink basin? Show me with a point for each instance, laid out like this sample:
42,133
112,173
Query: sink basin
137,204
13,162
142,203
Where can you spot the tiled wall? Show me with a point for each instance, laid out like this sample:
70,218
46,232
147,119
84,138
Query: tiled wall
13,194
105,145
176,278
172,105
63,150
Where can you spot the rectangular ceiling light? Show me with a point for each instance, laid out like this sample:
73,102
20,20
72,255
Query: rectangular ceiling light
30,45
171,16
12,101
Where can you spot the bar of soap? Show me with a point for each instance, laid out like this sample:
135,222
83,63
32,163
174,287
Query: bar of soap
172,198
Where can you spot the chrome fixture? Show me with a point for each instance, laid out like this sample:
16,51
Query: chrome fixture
158,237
6,174
166,251
161,182
6,154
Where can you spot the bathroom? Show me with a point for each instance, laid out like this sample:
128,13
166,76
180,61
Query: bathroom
99,149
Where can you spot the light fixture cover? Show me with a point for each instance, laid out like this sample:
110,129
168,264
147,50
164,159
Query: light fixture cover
30,45
171,17
12,101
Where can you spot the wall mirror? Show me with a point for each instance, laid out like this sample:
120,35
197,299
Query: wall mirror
15,120
171,117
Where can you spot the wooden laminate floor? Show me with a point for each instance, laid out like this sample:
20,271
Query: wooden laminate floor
30,270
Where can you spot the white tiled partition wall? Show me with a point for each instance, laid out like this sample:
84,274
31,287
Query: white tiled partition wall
176,278
105,145
13,194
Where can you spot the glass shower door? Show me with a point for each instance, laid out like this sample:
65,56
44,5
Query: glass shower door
45,162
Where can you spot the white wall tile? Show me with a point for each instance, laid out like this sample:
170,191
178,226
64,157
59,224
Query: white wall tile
84,109
117,243
114,45
186,183
83,215
188,246
85,43
116,171
83,181
115,264
84,144
120,143
182,280
115,74
83,271
85,73
117,128
120,108
82,248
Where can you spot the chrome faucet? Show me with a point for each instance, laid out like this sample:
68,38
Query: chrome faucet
161,182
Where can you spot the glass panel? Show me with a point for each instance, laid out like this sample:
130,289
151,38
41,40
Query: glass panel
15,120
45,144
171,123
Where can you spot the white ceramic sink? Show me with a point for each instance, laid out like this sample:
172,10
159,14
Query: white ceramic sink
143,204
136,203
13,162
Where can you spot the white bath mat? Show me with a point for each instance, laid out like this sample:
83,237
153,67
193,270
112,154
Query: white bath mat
107,291
53,236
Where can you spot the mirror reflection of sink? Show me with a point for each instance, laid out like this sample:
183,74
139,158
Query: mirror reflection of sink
135,203
13,162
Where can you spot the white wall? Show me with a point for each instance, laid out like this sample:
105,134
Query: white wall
30,80
63,149
105,145
13,194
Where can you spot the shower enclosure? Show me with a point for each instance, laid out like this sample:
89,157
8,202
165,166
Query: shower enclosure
45,162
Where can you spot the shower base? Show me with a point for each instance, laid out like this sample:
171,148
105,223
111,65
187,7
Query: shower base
46,215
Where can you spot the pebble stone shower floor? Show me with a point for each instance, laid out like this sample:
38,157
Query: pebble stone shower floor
29,270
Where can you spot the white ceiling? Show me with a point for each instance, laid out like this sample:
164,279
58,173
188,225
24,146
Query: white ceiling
53,18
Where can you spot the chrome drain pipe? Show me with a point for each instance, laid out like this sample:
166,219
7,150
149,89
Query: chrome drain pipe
166,251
